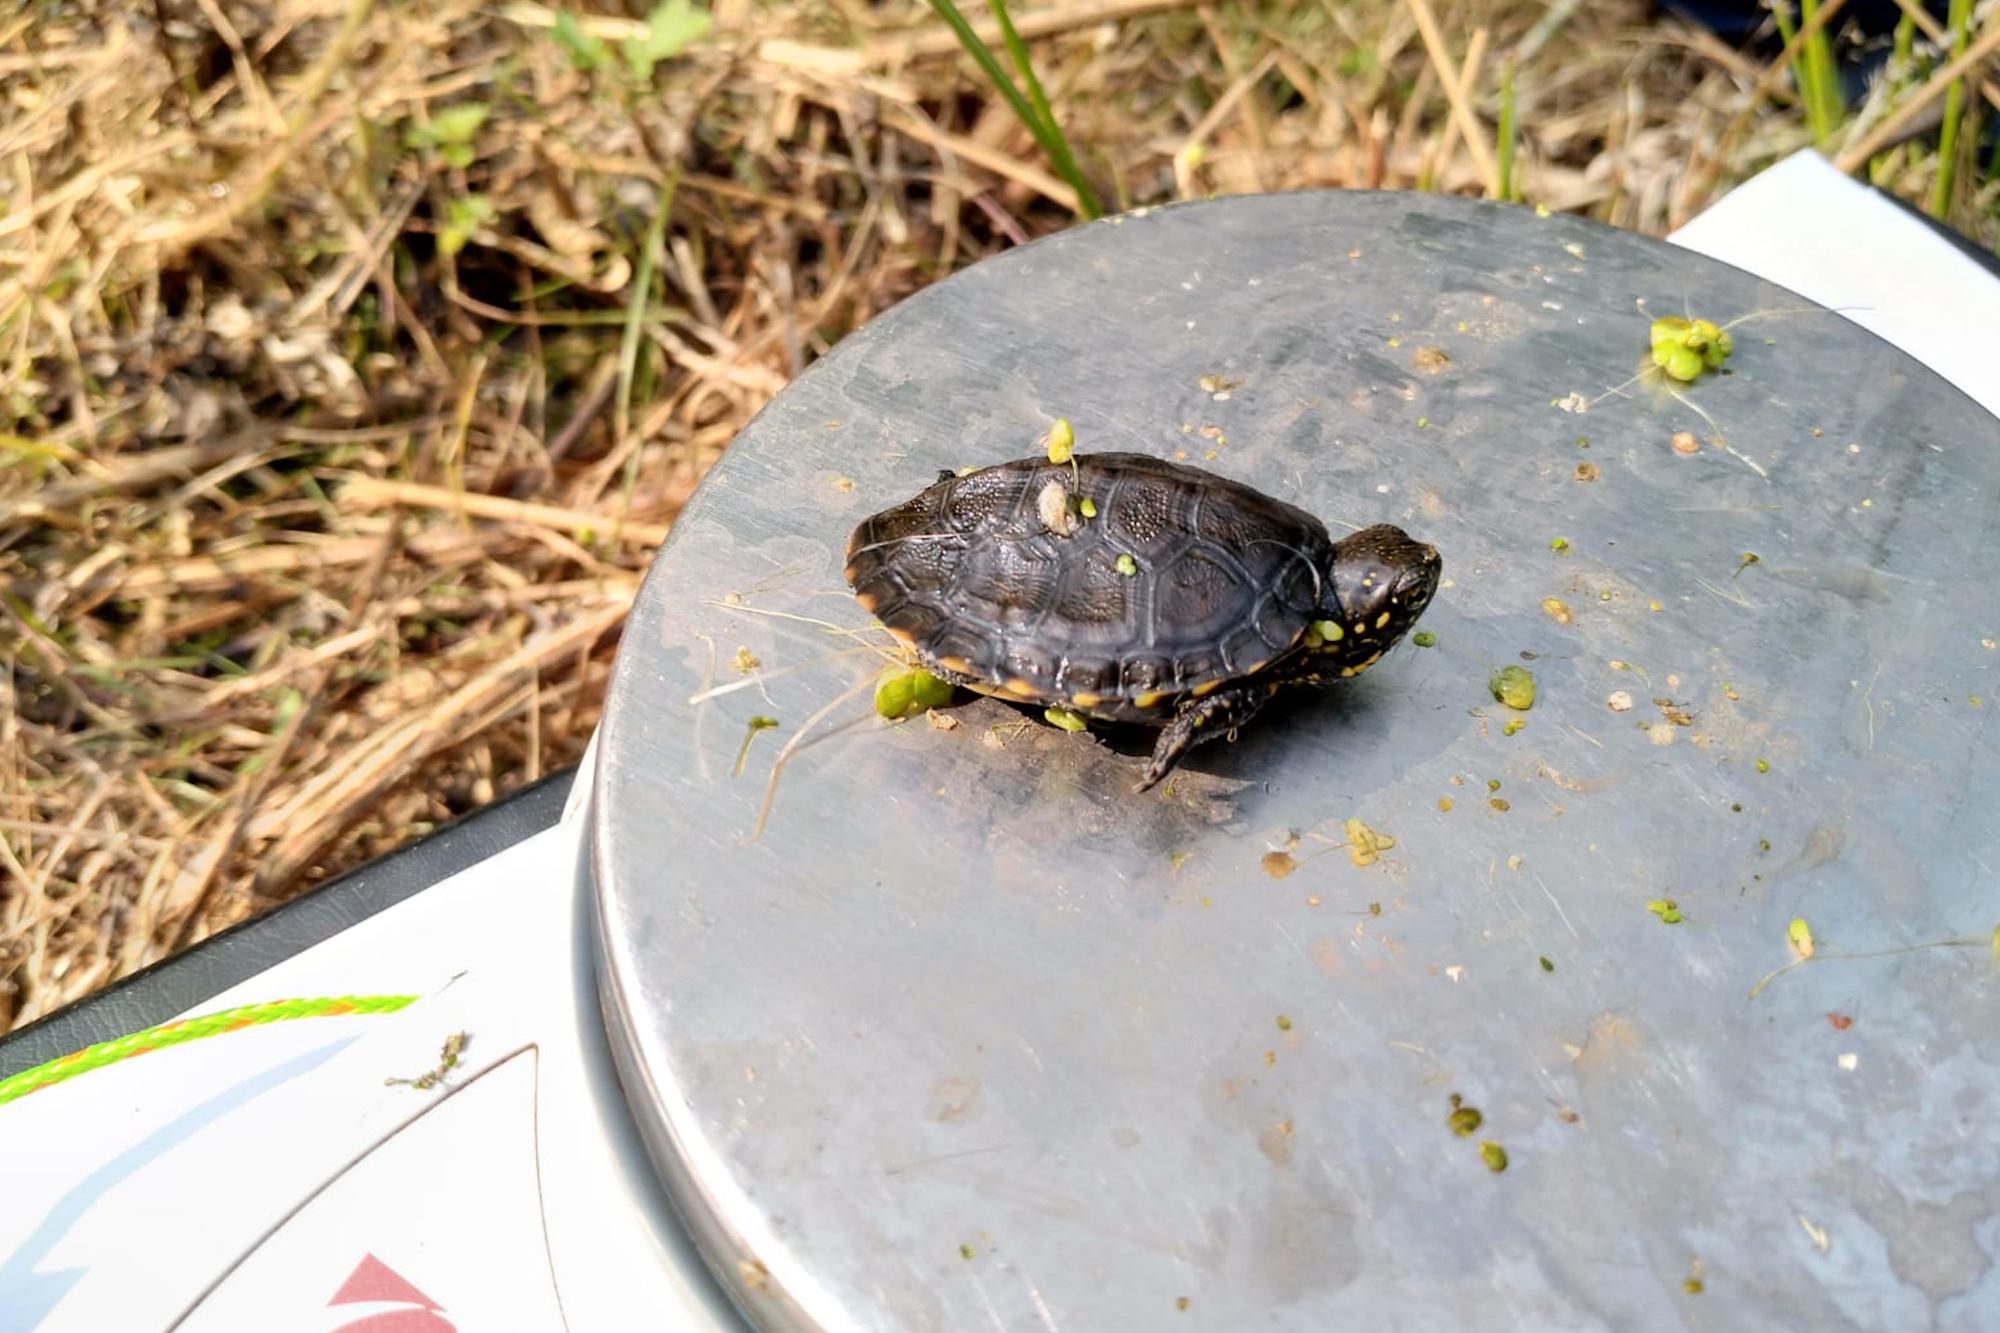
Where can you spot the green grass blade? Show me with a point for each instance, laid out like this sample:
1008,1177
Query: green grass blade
1805,67
1781,10
1826,104
1056,143
1954,111
990,67
1788,31
628,342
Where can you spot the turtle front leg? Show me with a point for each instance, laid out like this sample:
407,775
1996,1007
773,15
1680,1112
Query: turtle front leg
1203,719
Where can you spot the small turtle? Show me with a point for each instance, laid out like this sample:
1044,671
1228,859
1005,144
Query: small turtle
1132,589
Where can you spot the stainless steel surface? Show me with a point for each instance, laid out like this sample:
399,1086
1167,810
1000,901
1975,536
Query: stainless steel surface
973,1037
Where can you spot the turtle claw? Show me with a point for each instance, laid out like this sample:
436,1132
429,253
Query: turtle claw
1198,720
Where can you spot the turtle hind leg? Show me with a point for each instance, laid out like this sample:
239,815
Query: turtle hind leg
1203,719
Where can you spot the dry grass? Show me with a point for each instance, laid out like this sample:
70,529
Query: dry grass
337,429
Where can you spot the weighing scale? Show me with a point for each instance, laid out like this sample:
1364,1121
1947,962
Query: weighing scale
965,1034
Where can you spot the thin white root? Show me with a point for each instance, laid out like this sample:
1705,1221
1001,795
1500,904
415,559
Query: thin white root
758,678
826,625
792,745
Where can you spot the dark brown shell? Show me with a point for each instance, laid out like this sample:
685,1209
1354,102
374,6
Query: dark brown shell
972,575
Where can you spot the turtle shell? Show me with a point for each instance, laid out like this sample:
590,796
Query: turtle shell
1003,580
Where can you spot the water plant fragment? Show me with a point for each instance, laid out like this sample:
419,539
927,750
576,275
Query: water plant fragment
757,724
1061,441
1801,937
1683,348
1513,686
1366,845
903,694
1064,718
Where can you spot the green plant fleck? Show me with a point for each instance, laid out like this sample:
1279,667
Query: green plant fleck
671,27
462,217
1062,717
584,51
1558,543
454,1046
1464,1120
450,131
1061,441
1547,966
907,693
1513,686
1514,724
1679,362
1666,909
1423,638
1284,1023
1684,347
1365,845
1127,566
1493,1155
965,1251
757,724
1356,61
1087,507
1801,937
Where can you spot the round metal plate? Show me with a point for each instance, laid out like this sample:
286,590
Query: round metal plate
973,1036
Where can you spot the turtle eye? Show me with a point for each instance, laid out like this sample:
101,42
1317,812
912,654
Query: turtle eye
1414,587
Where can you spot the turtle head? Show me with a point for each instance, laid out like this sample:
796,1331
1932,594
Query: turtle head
1382,579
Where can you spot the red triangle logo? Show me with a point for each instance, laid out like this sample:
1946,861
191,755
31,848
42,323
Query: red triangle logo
373,1282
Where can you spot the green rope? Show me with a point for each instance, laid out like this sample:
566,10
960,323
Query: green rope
192,1029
